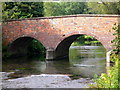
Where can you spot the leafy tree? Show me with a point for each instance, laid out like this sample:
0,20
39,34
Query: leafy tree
16,10
63,8
103,7
52,9
73,7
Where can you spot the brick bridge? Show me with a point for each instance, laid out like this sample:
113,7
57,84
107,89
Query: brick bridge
57,33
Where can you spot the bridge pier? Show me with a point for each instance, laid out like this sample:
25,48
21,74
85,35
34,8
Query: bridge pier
50,54
108,58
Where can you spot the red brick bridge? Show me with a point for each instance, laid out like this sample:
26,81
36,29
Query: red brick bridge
57,33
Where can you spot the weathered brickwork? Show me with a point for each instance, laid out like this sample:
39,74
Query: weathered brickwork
50,31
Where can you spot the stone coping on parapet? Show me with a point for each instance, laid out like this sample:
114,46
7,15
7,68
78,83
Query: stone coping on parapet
67,16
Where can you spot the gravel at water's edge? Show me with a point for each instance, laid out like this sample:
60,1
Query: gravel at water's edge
46,81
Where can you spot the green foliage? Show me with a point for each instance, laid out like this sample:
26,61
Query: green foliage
85,40
116,41
52,9
36,48
18,10
114,57
63,8
109,80
92,43
103,7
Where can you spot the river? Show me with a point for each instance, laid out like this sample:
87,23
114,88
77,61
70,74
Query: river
84,61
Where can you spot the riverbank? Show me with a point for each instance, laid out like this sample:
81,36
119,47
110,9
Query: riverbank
46,81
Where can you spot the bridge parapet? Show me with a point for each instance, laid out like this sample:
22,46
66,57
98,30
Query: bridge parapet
67,16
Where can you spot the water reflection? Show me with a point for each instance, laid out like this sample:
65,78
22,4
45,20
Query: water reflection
83,60
87,60
24,66
58,67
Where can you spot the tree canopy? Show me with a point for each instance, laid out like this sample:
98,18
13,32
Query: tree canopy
16,10
63,8
104,7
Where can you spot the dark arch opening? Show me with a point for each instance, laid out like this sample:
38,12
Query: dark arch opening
62,50
26,46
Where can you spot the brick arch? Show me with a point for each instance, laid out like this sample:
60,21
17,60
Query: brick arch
85,33
62,49
19,46
24,36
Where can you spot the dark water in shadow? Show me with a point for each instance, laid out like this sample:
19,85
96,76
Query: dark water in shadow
83,60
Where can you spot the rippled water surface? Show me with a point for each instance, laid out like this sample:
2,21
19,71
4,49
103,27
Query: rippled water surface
83,60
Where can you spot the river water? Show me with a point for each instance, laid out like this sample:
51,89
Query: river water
85,61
